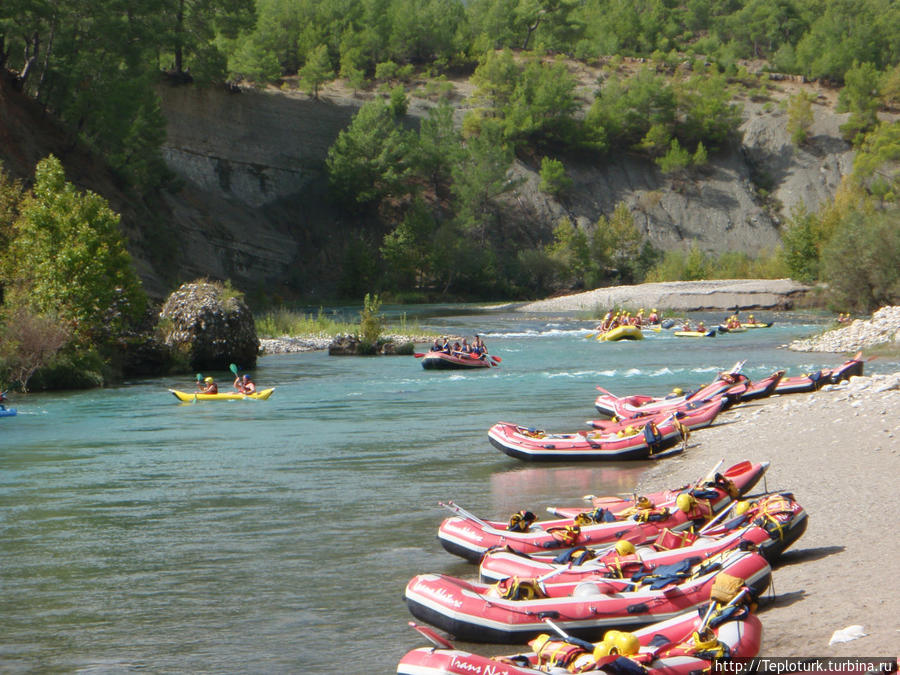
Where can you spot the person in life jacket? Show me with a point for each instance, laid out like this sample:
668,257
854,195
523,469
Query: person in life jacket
210,386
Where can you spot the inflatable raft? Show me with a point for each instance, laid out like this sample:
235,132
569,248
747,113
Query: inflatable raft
611,405
8,412
692,415
770,525
671,647
607,520
696,333
189,397
513,610
444,361
815,381
663,648
642,439
621,333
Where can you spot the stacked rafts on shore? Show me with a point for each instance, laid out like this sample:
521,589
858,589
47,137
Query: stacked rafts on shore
688,561
662,583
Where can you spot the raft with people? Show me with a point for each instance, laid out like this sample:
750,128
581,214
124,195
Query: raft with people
641,519
696,333
513,610
458,356
621,333
456,361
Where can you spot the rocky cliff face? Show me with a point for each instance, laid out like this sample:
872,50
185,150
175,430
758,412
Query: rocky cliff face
252,204
253,162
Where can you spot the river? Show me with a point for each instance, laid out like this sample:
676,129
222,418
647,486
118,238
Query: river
139,533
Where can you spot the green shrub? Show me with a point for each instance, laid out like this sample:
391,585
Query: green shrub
371,323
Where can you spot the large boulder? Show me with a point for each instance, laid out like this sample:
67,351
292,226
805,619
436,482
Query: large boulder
211,325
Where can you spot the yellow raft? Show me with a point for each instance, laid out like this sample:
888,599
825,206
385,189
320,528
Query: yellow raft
188,397
622,333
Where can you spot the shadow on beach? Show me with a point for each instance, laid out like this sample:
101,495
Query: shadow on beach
805,554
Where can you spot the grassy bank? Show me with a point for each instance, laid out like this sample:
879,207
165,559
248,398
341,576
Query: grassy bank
284,322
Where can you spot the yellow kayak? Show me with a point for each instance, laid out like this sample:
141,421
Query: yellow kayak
695,333
261,395
622,333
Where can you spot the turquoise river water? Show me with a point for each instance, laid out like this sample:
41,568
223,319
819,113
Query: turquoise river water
141,534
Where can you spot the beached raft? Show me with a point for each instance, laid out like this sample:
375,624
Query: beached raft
611,405
642,439
664,648
771,524
513,610
608,518
815,381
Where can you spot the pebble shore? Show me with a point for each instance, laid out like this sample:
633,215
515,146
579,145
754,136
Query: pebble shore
882,328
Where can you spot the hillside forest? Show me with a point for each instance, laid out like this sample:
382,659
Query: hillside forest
429,193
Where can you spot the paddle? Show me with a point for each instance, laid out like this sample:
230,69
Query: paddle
418,355
234,369
496,359
461,512
431,636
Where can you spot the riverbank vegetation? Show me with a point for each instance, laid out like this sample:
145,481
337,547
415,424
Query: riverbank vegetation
431,196
71,295
282,322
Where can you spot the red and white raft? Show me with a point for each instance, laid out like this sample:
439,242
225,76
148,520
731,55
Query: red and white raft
692,415
683,645
456,361
611,405
643,439
761,388
768,525
513,610
815,381
609,519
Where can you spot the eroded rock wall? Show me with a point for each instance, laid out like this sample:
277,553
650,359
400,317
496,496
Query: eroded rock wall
254,206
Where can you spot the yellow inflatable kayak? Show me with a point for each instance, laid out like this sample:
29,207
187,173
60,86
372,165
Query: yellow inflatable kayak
695,333
261,395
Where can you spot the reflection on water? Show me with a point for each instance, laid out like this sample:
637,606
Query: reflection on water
542,486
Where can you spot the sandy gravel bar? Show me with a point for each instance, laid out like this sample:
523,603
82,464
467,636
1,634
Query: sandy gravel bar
686,296
837,450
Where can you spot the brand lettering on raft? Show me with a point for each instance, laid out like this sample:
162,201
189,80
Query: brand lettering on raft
460,664
438,594
467,531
